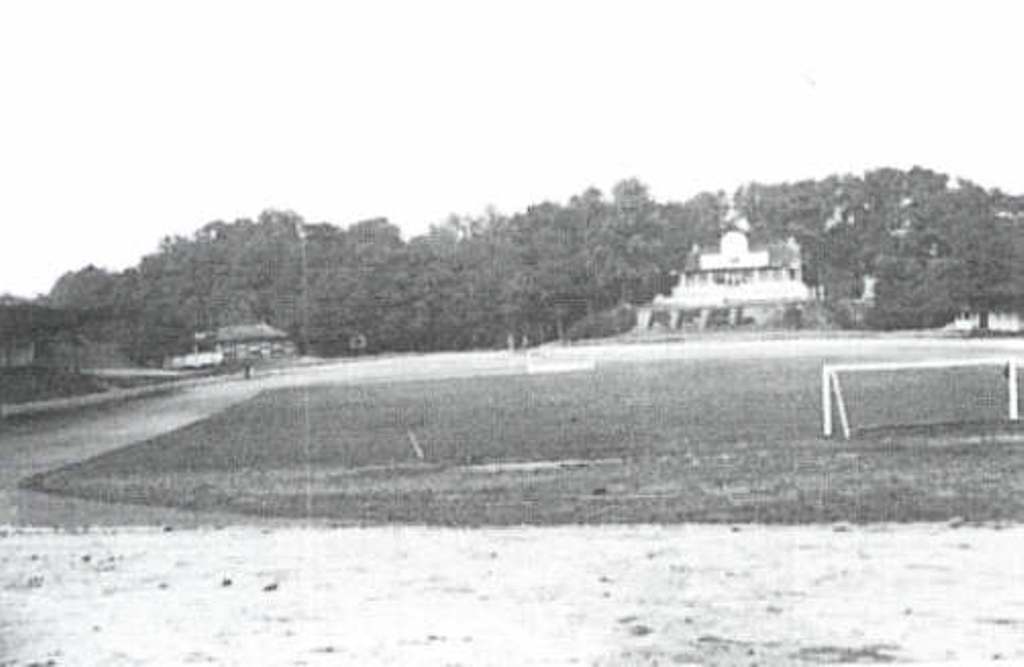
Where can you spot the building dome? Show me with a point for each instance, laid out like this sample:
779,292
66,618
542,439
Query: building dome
734,244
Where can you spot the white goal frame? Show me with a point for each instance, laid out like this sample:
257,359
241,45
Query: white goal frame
831,387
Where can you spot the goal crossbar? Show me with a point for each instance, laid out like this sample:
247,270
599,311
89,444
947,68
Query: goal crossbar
831,387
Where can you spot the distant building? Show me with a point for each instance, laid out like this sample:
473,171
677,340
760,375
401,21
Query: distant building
999,321
235,343
733,287
242,342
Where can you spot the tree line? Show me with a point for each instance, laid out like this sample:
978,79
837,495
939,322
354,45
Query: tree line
935,245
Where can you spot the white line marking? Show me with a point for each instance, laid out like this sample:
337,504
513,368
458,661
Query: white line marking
536,365
415,445
535,466
844,422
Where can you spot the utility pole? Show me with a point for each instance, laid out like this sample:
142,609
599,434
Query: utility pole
300,230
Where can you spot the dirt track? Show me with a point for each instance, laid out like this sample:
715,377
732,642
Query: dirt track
29,447
641,595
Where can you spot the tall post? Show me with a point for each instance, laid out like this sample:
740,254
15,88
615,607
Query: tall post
1011,382
826,402
303,304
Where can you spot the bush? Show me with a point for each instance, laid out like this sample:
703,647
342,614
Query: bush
32,383
604,324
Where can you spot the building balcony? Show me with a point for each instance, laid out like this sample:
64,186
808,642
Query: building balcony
720,296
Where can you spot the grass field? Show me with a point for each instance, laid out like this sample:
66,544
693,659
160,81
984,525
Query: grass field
674,441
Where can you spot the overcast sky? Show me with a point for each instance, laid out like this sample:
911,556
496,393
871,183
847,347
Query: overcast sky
123,122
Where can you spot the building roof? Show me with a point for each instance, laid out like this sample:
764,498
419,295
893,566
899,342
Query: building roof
239,333
733,252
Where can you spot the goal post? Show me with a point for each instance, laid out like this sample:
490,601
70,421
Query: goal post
925,381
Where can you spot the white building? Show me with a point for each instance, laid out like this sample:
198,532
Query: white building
996,320
734,286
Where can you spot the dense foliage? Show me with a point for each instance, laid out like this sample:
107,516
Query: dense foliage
934,246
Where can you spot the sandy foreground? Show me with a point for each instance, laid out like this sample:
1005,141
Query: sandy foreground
556,596
287,594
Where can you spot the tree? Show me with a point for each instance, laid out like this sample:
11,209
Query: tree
89,287
933,245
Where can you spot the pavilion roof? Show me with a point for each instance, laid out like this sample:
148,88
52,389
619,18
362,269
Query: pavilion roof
239,333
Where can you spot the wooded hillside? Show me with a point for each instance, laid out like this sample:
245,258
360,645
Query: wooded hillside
935,245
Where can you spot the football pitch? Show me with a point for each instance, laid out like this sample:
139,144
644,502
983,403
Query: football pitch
685,440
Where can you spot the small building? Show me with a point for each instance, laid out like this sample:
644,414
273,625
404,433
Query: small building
998,321
243,342
734,286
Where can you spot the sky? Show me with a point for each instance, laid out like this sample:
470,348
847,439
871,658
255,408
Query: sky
124,122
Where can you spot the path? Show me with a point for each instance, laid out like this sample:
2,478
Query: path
32,446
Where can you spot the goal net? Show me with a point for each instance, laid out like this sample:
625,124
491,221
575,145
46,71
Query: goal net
867,396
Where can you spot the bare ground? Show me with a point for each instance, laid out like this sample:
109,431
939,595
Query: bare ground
619,595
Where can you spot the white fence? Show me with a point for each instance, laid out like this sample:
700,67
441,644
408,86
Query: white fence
194,360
